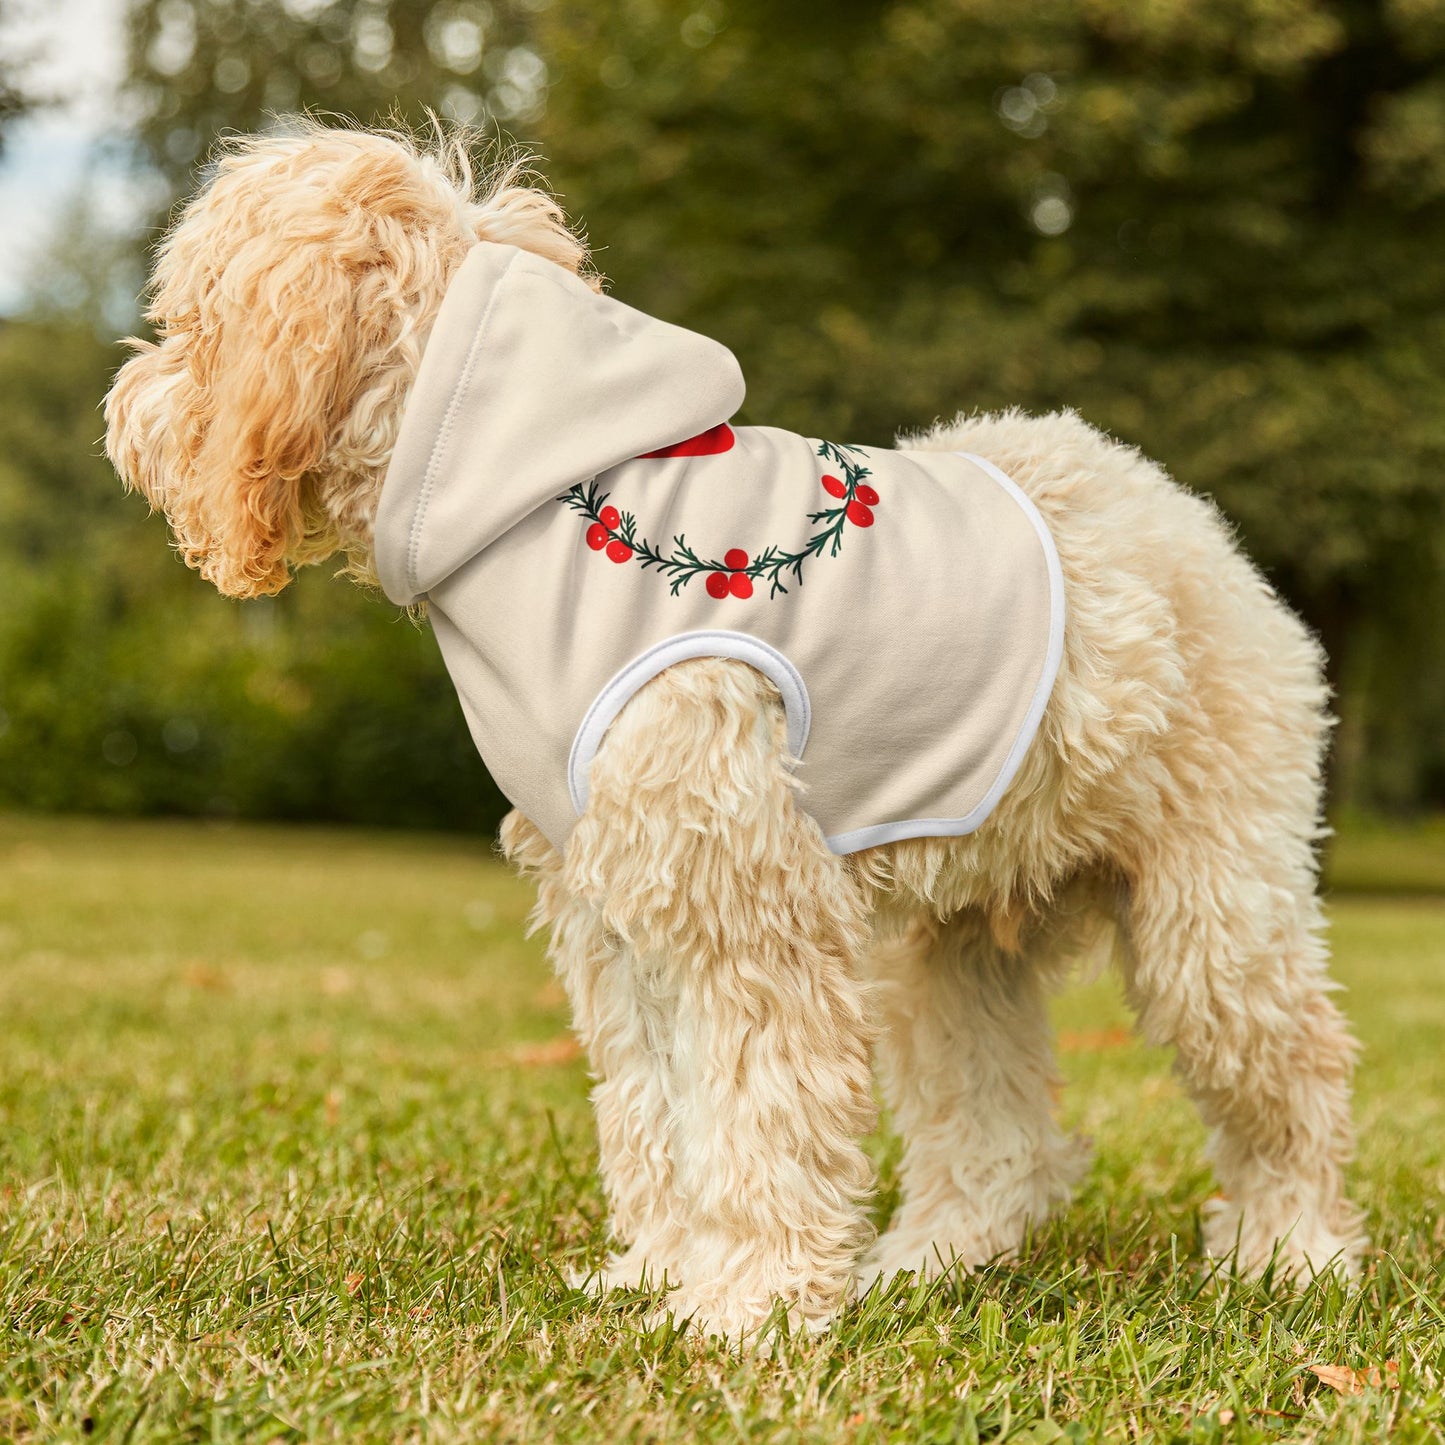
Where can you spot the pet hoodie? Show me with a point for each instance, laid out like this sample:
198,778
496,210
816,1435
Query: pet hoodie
567,495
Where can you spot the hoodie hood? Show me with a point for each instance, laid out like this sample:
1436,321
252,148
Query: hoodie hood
529,384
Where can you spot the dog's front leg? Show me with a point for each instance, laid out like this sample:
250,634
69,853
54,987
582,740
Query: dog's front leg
740,929
623,1018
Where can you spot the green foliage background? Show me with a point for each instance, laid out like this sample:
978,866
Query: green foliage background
1215,227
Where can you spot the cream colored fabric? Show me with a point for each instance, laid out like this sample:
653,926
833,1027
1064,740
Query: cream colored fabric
907,604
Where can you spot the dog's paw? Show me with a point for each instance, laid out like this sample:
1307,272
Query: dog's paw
753,1324
958,1242
966,1228
632,1270
1298,1245
897,1253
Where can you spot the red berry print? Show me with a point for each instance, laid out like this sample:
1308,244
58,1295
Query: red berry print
617,535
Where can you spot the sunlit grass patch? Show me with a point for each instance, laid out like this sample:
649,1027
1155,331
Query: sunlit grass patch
292,1146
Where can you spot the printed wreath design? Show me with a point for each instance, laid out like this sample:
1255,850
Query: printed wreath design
615,533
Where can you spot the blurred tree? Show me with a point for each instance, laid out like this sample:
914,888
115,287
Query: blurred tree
15,96
1216,227
202,67
127,685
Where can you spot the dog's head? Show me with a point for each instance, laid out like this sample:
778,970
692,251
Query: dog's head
291,301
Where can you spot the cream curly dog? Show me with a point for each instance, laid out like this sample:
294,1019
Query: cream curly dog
730,974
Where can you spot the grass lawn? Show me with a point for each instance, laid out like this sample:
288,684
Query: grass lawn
292,1146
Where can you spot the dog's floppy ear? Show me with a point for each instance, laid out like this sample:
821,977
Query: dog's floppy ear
142,410
222,422
276,356
283,281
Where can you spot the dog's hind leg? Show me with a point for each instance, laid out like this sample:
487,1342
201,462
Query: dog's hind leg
1226,961
694,853
966,1059
1225,956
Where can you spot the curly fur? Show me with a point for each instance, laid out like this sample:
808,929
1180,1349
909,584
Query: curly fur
292,301
729,976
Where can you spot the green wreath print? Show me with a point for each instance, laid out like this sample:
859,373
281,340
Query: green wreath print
615,534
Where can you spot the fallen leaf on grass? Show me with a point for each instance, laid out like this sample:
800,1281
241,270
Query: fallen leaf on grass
1347,1381
554,1051
202,975
335,982
354,1283
1101,1039
551,995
